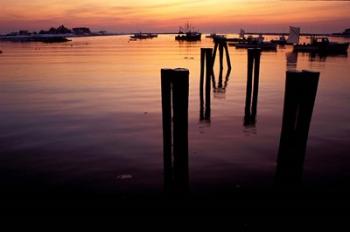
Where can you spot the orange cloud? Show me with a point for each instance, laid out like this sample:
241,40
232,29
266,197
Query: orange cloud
131,15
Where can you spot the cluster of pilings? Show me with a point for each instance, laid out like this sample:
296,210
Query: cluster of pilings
207,76
300,94
221,45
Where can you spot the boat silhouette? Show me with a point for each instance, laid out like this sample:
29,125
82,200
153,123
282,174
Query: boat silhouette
188,34
322,45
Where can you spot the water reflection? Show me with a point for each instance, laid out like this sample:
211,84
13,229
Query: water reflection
300,94
73,102
317,57
292,60
220,86
221,44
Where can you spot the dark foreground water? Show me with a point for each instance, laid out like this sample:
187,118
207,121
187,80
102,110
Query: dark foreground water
83,118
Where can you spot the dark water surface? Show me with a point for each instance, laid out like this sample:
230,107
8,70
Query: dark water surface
85,117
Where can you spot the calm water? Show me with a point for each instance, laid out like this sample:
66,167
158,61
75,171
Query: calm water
85,116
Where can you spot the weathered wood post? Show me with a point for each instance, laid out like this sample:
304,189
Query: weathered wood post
221,54
215,50
209,72
252,86
206,67
175,91
167,119
256,81
201,85
220,80
228,60
300,94
221,44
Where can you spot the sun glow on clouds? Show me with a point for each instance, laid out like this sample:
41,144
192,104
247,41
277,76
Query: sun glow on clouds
160,15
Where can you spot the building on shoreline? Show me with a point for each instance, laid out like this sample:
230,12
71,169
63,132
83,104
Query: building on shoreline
54,31
345,33
61,30
81,31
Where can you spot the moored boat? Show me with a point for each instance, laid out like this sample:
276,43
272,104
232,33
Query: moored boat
322,45
241,38
264,46
281,41
212,35
255,42
345,33
140,35
188,34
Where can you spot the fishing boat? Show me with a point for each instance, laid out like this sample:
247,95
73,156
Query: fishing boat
345,34
217,38
255,42
241,38
212,35
322,45
264,46
140,35
188,34
281,41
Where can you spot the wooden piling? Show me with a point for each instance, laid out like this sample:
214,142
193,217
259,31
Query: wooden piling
175,90
221,44
249,81
221,52
257,55
209,71
300,94
214,52
167,133
228,60
251,102
180,128
206,67
201,83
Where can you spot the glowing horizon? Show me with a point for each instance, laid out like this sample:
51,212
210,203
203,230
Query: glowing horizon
155,15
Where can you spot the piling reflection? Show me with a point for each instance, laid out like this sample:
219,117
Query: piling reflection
300,94
292,60
319,57
251,101
221,85
175,93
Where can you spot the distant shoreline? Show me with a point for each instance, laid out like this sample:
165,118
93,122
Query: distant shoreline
3,37
173,33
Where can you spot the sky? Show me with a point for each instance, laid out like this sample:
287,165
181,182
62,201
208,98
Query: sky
167,15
